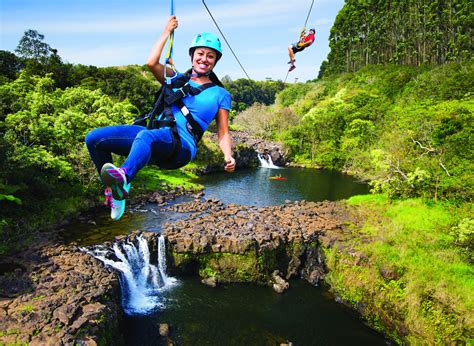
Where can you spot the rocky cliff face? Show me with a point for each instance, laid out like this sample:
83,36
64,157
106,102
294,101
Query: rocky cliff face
246,150
239,243
260,146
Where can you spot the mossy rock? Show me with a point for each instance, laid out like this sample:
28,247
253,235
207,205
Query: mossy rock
225,267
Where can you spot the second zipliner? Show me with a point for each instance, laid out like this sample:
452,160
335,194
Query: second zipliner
304,41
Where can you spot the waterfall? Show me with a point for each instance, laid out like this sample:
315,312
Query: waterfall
141,282
266,162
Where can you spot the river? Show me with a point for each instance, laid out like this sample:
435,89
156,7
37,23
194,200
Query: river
238,314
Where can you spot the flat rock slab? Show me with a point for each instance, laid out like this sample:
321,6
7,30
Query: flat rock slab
215,227
56,294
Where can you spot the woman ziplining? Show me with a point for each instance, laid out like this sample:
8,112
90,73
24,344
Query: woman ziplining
182,112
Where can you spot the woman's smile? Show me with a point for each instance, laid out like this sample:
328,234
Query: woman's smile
204,59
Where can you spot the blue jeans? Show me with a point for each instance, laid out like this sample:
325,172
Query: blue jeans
140,145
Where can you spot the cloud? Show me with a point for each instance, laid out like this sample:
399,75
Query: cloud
242,14
105,55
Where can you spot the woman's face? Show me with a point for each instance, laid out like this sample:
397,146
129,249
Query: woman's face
204,59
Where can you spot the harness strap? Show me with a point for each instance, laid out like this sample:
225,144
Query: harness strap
185,90
192,124
163,105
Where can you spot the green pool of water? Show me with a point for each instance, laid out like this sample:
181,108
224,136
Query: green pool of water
244,314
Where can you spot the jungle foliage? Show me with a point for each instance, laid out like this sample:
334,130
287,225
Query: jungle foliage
413,32
408,130
246,92
47,107
413,276
43,156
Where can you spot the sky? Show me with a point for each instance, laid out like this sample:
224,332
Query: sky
122,32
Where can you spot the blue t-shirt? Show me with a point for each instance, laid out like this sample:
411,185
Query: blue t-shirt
203,108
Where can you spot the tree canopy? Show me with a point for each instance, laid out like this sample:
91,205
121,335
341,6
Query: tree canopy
31,46
412,32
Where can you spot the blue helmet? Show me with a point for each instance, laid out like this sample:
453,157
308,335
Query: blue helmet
208,40
313,29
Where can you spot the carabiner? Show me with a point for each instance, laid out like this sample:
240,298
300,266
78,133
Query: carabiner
169,64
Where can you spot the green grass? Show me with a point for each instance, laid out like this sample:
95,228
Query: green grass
430,282
151,178
27,308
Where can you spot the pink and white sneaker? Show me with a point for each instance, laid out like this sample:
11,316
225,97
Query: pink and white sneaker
116,179
117,208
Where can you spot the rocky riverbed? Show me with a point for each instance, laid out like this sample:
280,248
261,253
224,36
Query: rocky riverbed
55,294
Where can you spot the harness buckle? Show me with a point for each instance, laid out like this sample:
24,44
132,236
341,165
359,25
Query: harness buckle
182,91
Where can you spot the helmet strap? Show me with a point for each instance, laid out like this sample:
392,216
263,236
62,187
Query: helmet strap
195,74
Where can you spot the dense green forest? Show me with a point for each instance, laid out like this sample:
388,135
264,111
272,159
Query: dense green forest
412,32
407,130
46,108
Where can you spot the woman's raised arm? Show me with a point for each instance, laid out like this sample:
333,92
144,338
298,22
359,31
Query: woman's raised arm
153,61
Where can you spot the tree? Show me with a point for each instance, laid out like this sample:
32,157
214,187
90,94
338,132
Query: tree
31,46
10,64
247,92
322,69
226,79
414,32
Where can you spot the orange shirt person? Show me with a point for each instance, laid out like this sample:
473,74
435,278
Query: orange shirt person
305,41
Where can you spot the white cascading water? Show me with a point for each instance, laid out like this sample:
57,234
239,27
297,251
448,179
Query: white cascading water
141,282
266,162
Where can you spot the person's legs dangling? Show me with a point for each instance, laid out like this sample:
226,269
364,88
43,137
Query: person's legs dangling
147,143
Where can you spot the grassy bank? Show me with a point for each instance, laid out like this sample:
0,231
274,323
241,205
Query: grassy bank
151,179
408,269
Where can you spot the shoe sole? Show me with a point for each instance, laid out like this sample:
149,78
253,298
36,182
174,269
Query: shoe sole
117,187
121,213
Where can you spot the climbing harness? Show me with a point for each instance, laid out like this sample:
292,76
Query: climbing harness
172,92
161,114
223,36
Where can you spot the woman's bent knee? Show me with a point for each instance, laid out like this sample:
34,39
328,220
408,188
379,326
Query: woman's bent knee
93,137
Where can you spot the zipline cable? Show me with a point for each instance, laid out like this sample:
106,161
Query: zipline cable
309,12
226,39
169,56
